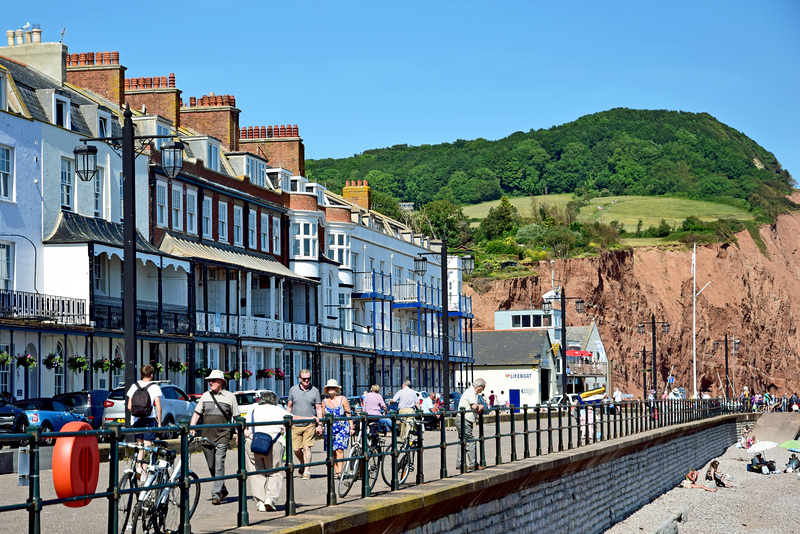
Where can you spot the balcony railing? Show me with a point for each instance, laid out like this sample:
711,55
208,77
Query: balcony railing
373,282
37,307
417,293
216,322
108,313
459,303
579,366
347,338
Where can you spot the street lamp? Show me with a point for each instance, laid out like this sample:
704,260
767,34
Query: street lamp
86,168
665,328
643,353
420,266
735,345
579,306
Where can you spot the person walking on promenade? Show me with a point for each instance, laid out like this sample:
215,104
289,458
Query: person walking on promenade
470,402
266,488
406,400
305,401
375,405
217,406
153,418
337,405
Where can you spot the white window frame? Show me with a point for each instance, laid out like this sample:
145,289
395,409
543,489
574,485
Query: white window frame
66,119
67,185
339,247
3,92
208,218
238,229
276,235
6,171
345,311
99,183
251,230
161,203
6,265
213,157
264,232
177,207
304,240
191,211
103,124
100,274
161,130
222,222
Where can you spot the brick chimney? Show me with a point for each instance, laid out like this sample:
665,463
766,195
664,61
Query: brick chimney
357,193
157,94
282,146
98,72
214,115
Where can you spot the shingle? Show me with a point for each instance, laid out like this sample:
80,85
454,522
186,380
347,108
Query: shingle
509,347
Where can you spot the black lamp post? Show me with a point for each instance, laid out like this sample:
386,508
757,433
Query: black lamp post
579,306
735,346
665,327
420,266
86,168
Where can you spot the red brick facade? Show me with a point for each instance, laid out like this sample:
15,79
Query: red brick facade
337,214
286,152
101,73
164,101
214,115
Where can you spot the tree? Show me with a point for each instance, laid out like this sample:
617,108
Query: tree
386,205
444,220
501,220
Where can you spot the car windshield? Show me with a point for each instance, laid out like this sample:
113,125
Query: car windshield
32,404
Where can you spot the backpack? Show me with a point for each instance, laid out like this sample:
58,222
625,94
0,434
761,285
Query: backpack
140,401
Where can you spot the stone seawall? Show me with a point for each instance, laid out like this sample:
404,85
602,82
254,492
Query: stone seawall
583,490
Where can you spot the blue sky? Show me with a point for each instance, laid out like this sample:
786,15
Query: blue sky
361,75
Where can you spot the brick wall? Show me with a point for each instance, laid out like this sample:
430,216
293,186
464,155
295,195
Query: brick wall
107,79
303,202
337,214
286,152
164,102
214,115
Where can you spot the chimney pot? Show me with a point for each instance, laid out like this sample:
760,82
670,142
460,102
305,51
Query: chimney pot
263,132
115,58
90,58
283,130
148,82
269,131
141,82
294,131
249,132
192,101
106,58
28,37
10,37
98,58
37,35
18,35
172,79
243,133
82,59
233,101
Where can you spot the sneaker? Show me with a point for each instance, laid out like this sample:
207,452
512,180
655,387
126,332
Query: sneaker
261,507
215,501
269,505
306,476
223,494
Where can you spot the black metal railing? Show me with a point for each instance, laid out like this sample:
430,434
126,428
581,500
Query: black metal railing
36,306
531,430
174,319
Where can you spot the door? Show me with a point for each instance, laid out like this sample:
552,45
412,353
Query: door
513,399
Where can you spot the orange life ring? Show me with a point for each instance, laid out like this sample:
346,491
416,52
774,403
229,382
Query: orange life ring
76,464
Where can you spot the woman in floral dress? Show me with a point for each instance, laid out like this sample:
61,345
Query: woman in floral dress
337,405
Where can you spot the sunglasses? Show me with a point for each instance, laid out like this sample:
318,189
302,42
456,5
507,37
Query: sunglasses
305,378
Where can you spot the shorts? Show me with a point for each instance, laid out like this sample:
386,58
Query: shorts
303,436
146,422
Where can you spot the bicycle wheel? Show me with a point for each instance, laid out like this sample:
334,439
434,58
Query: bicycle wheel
386,469
170,507
374,467
403,466
126,502
350,470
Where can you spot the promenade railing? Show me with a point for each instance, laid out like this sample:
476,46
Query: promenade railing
542,429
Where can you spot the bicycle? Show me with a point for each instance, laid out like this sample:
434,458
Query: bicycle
405,456
158,510
351,470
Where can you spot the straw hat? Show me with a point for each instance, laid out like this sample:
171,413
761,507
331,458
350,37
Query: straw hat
216,374
332,383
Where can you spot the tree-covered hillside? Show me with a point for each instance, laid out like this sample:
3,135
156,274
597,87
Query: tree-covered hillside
620,151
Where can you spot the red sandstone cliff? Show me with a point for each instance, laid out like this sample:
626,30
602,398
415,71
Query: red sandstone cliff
752,296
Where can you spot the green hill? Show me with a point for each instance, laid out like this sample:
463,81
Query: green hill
616,152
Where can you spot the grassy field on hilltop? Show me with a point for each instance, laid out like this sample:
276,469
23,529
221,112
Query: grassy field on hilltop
625,209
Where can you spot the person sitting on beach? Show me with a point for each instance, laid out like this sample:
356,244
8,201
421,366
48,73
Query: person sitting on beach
766,467
691,482
716,476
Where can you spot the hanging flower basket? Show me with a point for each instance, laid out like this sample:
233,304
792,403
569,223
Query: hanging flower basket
53,361
202,372
177,367
27,361
117,363
279,374
265,373
247,374
77,364
102,365
157,367
5,358
231,375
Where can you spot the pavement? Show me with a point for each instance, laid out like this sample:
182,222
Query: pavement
777,427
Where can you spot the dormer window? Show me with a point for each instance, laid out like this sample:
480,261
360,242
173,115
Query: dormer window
256,170
3,92
62,112
161,130
213,157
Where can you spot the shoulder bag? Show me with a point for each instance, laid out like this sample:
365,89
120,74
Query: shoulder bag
261,442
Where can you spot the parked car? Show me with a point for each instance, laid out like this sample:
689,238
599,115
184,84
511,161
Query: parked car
246,400
553,403
176,406
13,420
48,414
87,403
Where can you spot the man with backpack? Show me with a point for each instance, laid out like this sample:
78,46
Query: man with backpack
144,404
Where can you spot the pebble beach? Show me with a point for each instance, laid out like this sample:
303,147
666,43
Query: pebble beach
756,504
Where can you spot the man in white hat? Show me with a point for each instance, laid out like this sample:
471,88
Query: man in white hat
675,394
217,406
305,401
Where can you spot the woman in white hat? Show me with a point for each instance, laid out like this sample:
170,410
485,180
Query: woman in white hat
337,405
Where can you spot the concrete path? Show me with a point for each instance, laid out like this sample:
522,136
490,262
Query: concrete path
777,427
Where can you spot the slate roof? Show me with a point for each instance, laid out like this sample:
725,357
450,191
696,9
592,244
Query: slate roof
509,347
74,228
